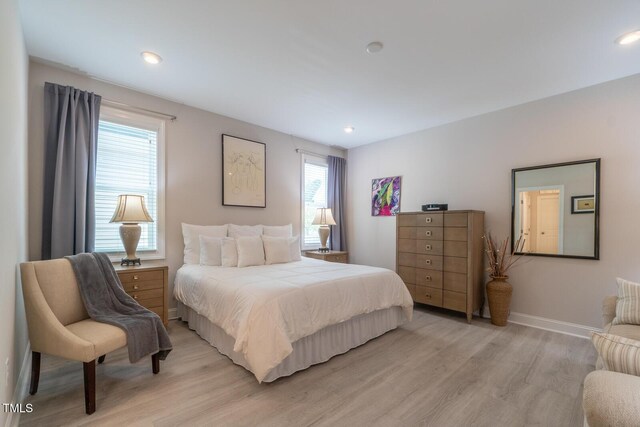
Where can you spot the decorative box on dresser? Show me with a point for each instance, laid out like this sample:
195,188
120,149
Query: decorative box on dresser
440,258
147,284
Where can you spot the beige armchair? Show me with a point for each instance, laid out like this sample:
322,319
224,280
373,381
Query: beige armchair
59,324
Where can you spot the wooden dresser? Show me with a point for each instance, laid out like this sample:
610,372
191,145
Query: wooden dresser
331,256
147,284
440,258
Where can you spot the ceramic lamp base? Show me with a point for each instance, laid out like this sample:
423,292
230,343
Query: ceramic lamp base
323,231
130,236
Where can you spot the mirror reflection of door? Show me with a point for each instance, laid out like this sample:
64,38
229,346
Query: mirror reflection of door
541,217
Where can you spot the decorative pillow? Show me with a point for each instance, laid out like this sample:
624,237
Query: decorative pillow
628,305
210,250
294,248
236,231
229,252
277,230
250,251
618,354
276,249
191,235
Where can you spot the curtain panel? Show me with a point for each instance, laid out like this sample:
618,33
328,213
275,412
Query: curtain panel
71,119
336,190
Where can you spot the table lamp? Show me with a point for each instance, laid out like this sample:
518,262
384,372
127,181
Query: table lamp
130,211
324,219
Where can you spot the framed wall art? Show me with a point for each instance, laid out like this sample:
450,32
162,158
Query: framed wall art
385,196
244,172
583,204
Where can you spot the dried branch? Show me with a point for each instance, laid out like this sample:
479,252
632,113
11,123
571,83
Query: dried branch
500,260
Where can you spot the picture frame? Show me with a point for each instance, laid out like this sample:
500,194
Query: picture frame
385,196
583,204
244,172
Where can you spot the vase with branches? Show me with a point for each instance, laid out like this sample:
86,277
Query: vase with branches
501,260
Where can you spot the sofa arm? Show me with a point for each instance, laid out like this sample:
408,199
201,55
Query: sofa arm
609,309
611,399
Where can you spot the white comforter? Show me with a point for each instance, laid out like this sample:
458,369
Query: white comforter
267,308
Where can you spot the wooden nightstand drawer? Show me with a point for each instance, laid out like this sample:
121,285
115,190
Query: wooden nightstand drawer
140,276
148,285
143,286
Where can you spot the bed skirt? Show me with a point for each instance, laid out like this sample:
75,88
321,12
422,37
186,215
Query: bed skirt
316,348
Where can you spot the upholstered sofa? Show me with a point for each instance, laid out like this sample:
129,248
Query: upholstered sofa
612,398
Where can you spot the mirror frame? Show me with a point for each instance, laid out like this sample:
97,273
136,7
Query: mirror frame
596,246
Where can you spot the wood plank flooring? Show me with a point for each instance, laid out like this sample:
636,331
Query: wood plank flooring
437,370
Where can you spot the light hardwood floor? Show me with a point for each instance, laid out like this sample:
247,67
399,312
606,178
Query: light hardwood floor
437,370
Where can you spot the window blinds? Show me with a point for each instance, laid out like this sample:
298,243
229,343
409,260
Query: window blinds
126,164
315,196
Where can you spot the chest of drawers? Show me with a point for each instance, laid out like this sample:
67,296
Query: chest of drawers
440,258
147,284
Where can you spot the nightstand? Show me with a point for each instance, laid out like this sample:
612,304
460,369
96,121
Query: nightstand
147,284
331,256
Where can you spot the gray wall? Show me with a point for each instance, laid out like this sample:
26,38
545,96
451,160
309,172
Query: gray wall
468,164
13,187
193,162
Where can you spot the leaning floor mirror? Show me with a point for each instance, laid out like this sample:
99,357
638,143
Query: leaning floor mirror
555,209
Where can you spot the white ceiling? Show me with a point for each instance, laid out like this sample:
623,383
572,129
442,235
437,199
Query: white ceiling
300,66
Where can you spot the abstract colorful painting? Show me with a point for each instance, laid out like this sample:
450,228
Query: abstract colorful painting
385,196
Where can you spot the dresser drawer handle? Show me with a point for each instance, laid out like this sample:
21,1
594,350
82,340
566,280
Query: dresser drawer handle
428,233
135,296
428,295
427,261
428,220
135,287
428,278
428,247
135,277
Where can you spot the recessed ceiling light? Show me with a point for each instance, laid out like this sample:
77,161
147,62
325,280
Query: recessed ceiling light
349,129
151,58
629,38
374,47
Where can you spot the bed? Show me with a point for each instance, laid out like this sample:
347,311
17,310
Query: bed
277,319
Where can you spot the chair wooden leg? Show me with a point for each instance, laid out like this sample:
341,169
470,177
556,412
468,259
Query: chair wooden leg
101,359
35,372
155,362
90,386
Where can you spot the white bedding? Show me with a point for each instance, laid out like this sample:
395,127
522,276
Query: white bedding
267,308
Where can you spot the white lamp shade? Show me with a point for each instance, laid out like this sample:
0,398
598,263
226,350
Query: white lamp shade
324,217
131,209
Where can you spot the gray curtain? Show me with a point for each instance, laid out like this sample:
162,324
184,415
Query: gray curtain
336,193
71,130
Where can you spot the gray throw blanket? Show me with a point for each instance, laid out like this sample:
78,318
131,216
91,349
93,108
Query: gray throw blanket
107,302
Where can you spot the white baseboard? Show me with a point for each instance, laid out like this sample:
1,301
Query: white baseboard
567,328
22,388
173,313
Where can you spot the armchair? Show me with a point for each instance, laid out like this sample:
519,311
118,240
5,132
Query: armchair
59,324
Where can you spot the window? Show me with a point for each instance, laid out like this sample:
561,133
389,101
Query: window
129,161
314,196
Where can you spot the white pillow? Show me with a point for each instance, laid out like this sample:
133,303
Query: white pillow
250,251
277,230
294,248
236,231
191,235
276,249
628,305
229,252
210,250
